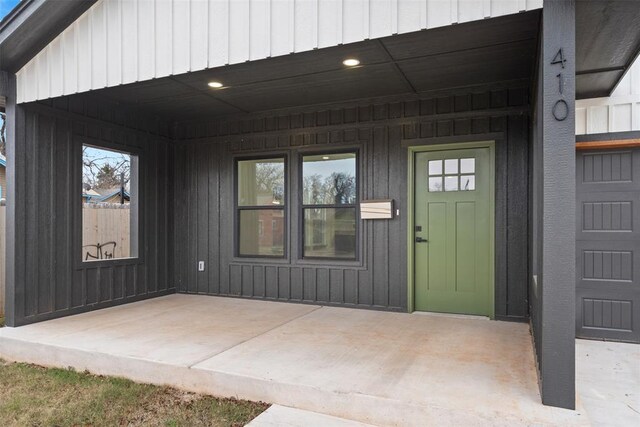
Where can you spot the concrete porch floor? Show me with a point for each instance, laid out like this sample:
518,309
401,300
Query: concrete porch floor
374,367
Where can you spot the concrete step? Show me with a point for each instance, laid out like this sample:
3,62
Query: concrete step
384,369
366,408
283,416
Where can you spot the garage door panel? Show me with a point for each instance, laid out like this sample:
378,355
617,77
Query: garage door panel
605,316
618,257
606,219
607,170
608,245
607,265
606,214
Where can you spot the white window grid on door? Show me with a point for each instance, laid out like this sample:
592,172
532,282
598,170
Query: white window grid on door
452,175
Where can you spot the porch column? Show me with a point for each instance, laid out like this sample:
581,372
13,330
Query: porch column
556,299
16,198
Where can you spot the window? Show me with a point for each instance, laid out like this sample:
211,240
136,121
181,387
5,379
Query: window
109,204
329,197
260,201
456,175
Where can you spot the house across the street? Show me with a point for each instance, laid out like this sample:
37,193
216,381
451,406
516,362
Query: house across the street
392,155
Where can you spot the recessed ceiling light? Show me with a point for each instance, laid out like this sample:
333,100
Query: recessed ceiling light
325,157
215,85
351,62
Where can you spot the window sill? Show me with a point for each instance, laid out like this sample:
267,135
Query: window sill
329,262
259,260
108,263
301,263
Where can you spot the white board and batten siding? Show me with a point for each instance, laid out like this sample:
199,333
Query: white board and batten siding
124,41
618,113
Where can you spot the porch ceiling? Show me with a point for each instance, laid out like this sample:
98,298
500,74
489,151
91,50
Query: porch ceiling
607,43
475,53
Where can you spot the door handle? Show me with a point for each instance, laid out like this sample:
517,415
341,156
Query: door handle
421,240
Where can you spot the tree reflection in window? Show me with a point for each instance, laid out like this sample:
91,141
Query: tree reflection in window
260,207
329,196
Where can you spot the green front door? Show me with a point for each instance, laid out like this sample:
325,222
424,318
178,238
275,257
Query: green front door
452,236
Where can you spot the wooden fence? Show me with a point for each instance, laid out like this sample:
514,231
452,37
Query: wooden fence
100,224
103,224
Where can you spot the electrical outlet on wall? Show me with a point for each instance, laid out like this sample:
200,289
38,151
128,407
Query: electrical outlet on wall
200,265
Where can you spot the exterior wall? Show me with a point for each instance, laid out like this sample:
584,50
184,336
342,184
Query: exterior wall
123,41
552,282
536,214
618,113
47,279
382,131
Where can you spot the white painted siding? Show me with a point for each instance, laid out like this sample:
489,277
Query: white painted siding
124,41
618,113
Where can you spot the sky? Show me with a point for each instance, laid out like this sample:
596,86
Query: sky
100,157
6,6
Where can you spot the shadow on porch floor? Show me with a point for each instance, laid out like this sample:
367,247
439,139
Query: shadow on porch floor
375,367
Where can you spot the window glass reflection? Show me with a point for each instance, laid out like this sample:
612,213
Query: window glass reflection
451,166
467,182
330,233
451,183
261,182
435,167
467,165
435,183
329,179
261,232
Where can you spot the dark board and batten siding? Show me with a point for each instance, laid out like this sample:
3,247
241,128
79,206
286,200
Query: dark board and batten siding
381,131
49,279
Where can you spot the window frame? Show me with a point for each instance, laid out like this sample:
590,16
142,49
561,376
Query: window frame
238,209
137,205
302,206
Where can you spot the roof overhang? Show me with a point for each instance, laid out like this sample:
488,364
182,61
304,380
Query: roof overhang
607,43
607,40
31,25
496,53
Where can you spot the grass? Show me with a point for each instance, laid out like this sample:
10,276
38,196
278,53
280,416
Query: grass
36,396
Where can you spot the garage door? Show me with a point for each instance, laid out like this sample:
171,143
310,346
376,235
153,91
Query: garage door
608,244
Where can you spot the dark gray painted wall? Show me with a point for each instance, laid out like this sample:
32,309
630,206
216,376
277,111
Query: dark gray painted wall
552,290
382,131
536,213
608,244
44,277
197,177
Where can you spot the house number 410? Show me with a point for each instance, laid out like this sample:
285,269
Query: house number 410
560,109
